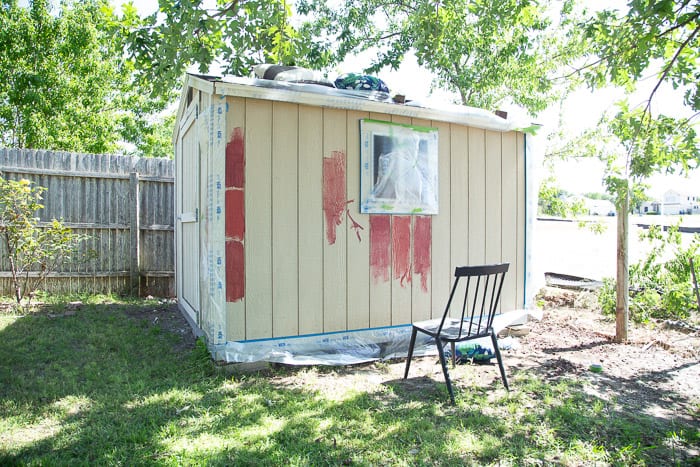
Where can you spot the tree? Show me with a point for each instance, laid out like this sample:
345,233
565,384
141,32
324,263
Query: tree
33,251
633,146
235,35
488,51
552,200
66,83
624,48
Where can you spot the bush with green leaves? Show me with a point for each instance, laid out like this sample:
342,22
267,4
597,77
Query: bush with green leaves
32,250
660,284
553,201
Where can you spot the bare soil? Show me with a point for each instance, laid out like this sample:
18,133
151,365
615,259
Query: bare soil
657,371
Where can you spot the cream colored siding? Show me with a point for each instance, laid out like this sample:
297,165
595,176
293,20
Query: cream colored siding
459,197
521,222
311,228
494,194
258,216
335,256
285,240
509,217
442,269
358,250
478,201
296,281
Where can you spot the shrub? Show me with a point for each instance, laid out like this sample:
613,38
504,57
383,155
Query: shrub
659,287
33,251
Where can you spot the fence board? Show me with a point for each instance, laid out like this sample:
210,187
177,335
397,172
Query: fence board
91,194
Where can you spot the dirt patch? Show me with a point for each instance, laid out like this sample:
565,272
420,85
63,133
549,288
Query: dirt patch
656,371
166,316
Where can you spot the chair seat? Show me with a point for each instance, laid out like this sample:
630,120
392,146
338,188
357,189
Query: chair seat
451,329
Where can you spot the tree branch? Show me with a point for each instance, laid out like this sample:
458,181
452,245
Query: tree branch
668,67
221,12
679,25
683,5
389,36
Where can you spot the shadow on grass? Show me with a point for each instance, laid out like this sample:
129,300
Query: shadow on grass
99,387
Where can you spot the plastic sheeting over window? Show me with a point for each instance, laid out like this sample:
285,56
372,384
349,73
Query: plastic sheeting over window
346,348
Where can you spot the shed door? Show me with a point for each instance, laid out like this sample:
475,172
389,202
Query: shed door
188,219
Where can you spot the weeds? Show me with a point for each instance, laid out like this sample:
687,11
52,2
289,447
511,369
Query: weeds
660,284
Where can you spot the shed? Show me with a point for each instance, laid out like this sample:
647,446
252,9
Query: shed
281,257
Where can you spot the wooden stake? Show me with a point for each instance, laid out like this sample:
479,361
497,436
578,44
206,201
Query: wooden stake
622,308
695,282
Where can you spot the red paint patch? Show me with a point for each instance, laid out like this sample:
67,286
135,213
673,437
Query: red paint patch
401,248
379,247
422,241
235,214
334,198
235,160
235,271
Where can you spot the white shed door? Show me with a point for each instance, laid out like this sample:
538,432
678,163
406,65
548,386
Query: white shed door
188,219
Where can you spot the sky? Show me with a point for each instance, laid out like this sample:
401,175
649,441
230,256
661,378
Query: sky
581,110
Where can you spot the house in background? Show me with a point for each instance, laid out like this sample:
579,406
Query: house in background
677,202
599,207
650,207
672,203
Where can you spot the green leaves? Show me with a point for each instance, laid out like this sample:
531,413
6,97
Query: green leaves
235,35
488,51
66,82
53,93
663,34
33,251
660,282
552,201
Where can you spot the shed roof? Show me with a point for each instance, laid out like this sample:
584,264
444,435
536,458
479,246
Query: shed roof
323,96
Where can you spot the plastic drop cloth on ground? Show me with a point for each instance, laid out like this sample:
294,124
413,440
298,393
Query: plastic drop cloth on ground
347,347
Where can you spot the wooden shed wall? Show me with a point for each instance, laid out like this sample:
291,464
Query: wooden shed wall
376,270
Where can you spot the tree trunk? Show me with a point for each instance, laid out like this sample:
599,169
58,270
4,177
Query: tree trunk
622,307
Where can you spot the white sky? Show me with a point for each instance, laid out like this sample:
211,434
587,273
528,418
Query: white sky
581,110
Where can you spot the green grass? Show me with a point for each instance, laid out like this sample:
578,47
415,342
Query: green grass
100,388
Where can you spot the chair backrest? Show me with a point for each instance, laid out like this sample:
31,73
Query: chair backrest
479,296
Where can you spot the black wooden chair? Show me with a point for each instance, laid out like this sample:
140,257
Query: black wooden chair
480,287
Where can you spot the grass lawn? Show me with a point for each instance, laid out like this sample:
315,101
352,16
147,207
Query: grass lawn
101,387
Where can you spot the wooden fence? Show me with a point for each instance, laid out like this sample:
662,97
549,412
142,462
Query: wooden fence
125,204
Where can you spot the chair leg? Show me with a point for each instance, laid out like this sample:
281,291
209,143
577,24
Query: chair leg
445,370
500,360
410,352
454,354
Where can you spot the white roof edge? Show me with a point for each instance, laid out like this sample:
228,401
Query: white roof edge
321,96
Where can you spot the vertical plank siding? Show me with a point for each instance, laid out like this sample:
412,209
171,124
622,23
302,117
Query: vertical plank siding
311,226
315,264
258,228
91,193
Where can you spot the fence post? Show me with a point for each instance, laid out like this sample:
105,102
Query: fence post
135,230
